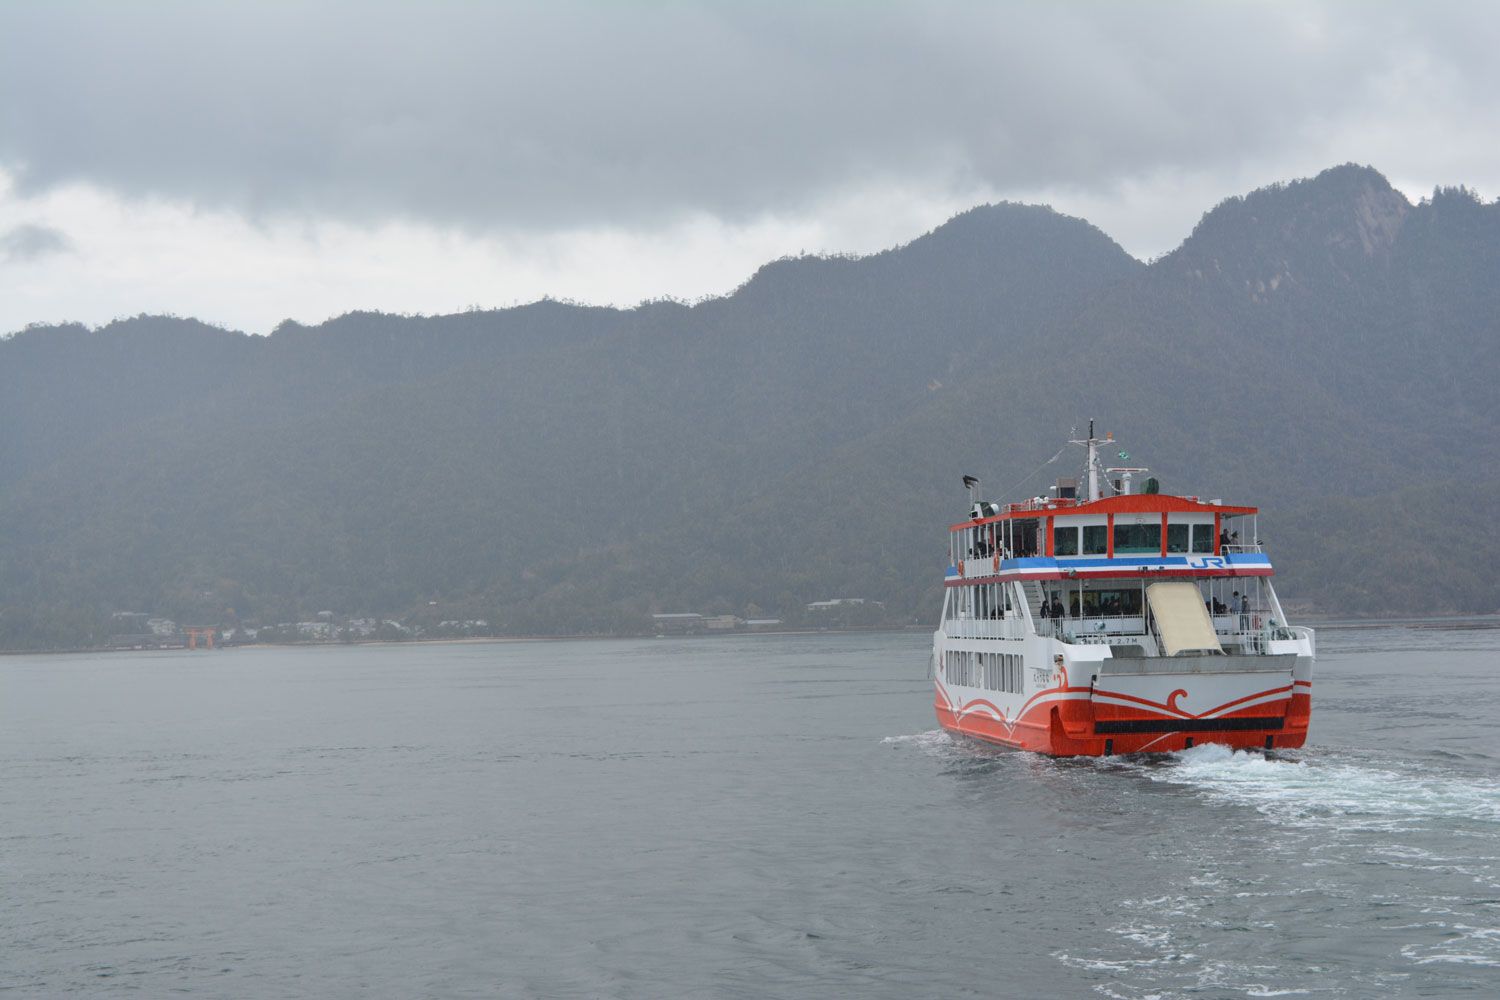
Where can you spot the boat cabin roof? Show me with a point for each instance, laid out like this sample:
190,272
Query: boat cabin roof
1129,503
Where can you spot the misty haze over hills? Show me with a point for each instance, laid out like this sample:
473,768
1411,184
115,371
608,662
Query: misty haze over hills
1323,349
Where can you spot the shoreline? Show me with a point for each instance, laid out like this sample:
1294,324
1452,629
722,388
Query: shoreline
461,640
1337,624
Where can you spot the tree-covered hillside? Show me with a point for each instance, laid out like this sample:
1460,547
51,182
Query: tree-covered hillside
1324,349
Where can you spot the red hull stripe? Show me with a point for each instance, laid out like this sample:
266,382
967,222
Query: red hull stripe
983,706
978,705
1172,709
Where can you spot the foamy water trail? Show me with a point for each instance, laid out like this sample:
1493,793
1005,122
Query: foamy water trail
933,739
1322,792
1318,792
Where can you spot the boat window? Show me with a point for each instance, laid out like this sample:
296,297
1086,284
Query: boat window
1177,538
1112,603
1065,541
1095,539
982,536
1024,537
1203,538
1137,538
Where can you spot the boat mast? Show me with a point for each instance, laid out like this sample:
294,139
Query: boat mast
1092,444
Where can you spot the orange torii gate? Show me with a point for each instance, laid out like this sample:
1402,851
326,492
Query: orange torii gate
206,631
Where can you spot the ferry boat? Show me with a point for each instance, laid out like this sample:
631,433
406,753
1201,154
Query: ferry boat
1116,621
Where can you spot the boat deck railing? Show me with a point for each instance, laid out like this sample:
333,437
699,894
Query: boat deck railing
1255,628
1248,630
1252,628
1073,629
986,628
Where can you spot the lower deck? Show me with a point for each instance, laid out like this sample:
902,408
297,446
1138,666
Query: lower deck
1101,685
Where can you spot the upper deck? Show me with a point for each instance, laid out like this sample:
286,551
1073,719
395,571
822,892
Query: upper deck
1126,536
1082,569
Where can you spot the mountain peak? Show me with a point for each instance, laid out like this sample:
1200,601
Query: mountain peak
1013,224
1345,219
1004,236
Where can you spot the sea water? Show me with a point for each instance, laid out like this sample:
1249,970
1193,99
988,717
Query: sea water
753,816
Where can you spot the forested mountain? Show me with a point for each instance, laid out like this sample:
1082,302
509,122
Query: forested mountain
1324,349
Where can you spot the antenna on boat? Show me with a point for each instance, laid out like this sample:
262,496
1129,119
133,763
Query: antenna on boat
1093,463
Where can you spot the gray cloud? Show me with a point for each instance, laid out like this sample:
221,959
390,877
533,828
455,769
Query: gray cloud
562,113
29,242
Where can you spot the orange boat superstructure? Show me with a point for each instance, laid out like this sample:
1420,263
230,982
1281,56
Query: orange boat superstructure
1117,622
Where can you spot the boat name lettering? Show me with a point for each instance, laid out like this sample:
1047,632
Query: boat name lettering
1207,562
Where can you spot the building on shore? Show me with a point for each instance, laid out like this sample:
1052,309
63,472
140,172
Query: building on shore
837,602
678,623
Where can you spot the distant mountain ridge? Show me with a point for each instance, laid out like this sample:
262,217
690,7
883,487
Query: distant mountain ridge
1323,348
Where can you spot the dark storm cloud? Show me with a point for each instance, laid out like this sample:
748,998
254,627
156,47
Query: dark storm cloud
561,113
29,242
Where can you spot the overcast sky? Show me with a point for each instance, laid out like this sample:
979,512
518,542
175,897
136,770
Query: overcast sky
250,162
